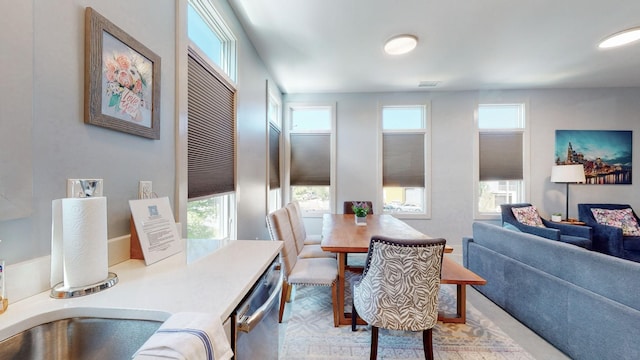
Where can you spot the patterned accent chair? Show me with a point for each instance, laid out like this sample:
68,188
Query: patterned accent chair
615,229
301,271
536,225
399,288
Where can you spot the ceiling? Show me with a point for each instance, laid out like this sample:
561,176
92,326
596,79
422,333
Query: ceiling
318,46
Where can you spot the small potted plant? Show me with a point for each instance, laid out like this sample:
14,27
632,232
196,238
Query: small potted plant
557,217
360,209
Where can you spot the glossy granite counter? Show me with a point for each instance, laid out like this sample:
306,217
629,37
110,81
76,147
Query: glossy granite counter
215,282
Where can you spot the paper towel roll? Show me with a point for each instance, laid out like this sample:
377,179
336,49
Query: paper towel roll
80,231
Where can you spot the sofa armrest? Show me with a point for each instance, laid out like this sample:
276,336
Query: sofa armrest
608,239
545,232
571,230
465,249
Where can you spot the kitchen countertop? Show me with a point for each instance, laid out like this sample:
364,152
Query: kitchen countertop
212,283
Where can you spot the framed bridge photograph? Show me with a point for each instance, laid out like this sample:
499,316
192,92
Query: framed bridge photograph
605,154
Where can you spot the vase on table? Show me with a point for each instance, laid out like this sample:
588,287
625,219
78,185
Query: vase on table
360,211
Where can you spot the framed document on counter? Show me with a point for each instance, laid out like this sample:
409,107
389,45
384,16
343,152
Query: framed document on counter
155,228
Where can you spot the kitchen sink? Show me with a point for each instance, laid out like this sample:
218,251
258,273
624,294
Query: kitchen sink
79,338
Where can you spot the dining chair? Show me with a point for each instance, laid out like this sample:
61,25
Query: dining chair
308,238
305,250
348,206
399,288
301,271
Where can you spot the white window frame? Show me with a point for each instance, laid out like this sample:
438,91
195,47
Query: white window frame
426,131
289,108
274,197
526,161
229,47
228,71
228,207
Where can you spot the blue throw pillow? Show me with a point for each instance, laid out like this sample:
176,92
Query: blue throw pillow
510,227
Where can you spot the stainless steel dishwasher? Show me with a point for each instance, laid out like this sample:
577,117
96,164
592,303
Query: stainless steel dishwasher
254,323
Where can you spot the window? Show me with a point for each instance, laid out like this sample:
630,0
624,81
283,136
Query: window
211,217
311,157
405,160
211,125
274,200
500,157
210,34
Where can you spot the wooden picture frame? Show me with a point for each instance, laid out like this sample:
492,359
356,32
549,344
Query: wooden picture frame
122,80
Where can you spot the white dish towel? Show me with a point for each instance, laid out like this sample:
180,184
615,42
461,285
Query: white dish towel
187,336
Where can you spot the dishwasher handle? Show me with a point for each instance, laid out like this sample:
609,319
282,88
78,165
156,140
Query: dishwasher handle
248,322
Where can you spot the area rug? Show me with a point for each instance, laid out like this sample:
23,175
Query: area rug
309,334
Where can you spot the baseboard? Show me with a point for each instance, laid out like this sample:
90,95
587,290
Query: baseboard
119,249
32,277
27,278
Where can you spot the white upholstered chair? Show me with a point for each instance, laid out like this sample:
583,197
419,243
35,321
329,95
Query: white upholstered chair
301,271
309,239
306,248
399,288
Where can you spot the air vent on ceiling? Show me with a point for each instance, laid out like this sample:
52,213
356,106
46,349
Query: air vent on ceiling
424,84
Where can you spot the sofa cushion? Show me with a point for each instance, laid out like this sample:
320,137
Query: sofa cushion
621,218
527,215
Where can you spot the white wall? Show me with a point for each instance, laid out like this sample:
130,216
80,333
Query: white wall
64,147
452,148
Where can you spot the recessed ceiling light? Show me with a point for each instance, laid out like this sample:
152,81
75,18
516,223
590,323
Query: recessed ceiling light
400,44
622,38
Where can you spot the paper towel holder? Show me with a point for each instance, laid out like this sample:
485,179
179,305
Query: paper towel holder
60,292
80,188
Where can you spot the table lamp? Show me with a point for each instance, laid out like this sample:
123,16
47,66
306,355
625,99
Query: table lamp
567,174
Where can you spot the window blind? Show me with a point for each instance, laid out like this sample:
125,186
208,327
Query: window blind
310,159
211,130
403,160
500,155
274,157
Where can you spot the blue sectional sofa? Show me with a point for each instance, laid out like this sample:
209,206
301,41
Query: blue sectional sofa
585,303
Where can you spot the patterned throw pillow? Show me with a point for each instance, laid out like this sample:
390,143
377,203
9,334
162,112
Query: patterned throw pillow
527,215
622,218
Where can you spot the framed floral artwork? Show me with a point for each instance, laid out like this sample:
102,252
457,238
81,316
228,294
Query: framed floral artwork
122,80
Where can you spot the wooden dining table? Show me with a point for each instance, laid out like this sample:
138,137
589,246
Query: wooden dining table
342,236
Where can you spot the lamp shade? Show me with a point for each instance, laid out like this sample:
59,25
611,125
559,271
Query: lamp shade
567,174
